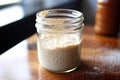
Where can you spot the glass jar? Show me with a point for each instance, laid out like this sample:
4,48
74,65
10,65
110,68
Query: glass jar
59,39
107,17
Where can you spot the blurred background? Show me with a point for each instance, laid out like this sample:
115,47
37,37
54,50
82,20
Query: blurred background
13,10
17,17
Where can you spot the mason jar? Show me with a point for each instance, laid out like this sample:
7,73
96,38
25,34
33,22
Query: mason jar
59,39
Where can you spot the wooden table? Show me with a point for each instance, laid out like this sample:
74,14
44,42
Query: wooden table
100,60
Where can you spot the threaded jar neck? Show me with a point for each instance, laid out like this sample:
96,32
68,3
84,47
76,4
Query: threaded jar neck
59,18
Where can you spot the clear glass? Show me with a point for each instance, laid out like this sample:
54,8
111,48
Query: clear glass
59,39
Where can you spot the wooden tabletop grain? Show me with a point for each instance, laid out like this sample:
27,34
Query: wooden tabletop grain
100,60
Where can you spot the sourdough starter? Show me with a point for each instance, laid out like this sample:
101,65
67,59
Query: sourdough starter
59,55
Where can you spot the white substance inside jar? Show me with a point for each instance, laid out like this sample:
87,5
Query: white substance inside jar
59,56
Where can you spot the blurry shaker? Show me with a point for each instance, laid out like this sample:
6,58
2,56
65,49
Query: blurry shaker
107,17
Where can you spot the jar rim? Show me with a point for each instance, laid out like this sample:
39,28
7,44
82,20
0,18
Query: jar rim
77,14
54,16
69,17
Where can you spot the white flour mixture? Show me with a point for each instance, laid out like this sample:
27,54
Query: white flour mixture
59,55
